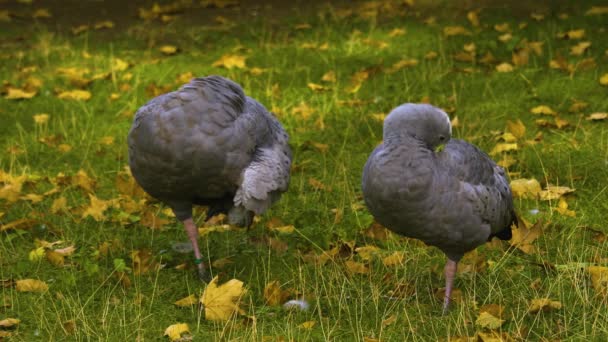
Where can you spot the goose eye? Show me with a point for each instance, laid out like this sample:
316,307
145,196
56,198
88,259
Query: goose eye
441,138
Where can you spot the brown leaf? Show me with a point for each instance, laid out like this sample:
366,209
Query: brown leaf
395,259
579,48
274,295
523,237
599,279
377,231
543,304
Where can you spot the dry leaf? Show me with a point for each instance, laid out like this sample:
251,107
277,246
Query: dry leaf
175,331
222,302
579,48
107,24
553,192
329,76
96,208
307,325
503,147
397,32
230,61
377,231
455,30
604,80
316,87
9,322
597,10
79,95
486,320
354,267
41,119
395,259
284,229
544,304
31,285
367,252
517,128
19,94
274,295
392,319
473,18
543,110
187,301
504,67
169,50
599,279
523,237
597,116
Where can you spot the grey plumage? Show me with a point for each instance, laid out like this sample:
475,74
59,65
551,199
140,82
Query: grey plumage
210,144
455,199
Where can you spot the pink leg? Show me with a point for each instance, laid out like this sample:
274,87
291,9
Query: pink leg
450,273
192,232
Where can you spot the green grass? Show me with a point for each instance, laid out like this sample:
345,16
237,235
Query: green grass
345,307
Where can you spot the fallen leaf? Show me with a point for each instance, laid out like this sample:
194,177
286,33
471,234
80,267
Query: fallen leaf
329,76
377,231
390,320
96,208
473,18
367,252
523,237
31,285
307,325
543,304
597,116
597,10
486,320
455,30
302,110
599,279
502,28
517,128
42,13
284,229
187,301
222,302
604,80
230,61
41,119
354,267
143,262
504,67
404,63
543,110
356,81
395,259
503,147
316,87
274,295
552,192
19,94
106,24
175,331
79,95
168,49
9,322
572,34
579,48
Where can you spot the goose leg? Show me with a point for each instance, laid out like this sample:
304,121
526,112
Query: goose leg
192,232
450,273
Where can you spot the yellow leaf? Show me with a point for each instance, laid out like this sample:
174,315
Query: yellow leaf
81,179
394,259
517,128
392,319
274,295
402,64
354,267
79,95
356,81
168,49
525,188
302,110
455,30
19,94
552,192
597,10
66,251
31,285
118,65
599,279
503,147
562,208
505,37
230,61
379,116
107,140
36,254
572,34
41,119
579,48
329,76
523,237
367,252
222,302
544,304
504,67
543,110
9,322
143,262
377,231
42,13
175,331
307,325
187,301
107,24
396,32
502,28
604,80
316,87
597,116
221,263
79,29
55,258
284,229
473,18
96,208
486,320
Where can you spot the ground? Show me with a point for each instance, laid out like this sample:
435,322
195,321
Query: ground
527,83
